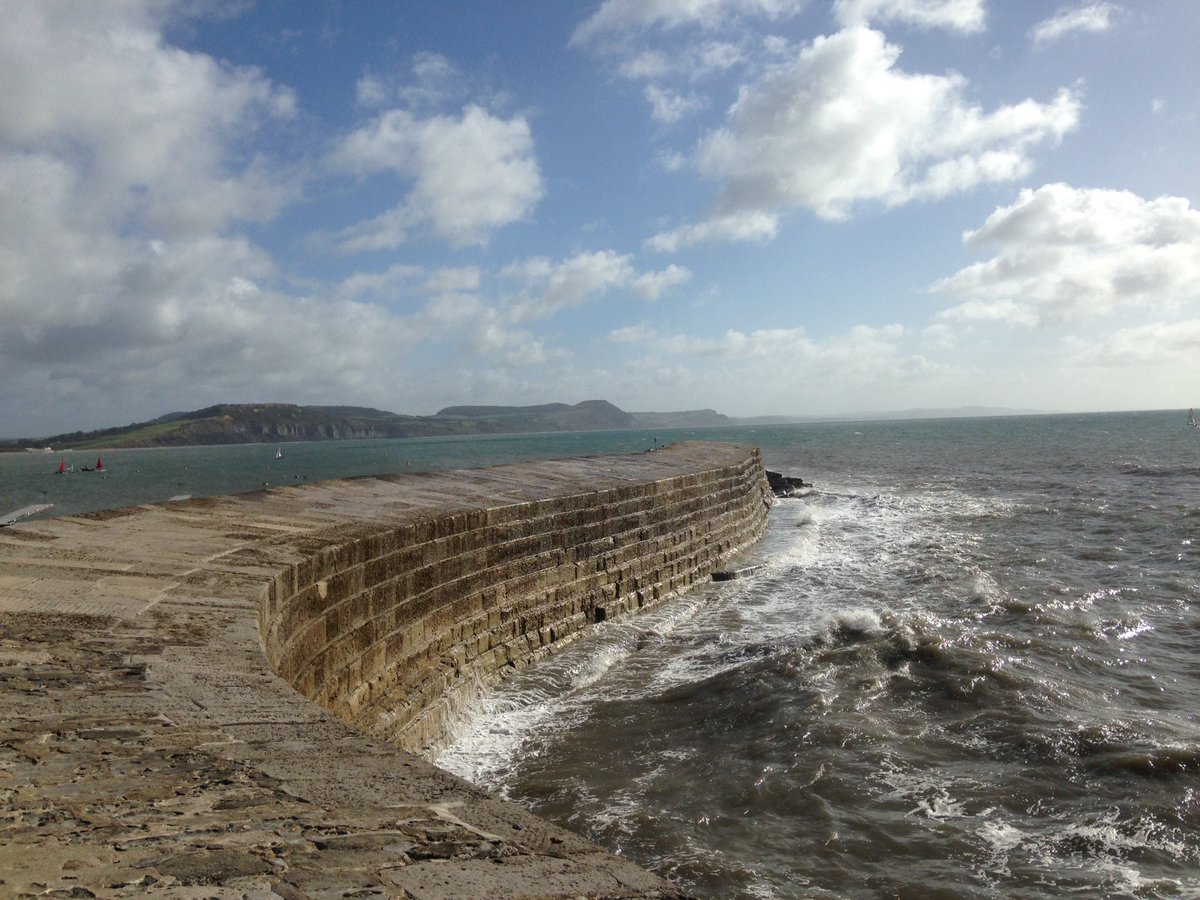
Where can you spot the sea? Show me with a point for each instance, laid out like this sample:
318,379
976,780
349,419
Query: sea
967,665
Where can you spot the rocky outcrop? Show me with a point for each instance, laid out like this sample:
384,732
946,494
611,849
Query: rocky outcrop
786,486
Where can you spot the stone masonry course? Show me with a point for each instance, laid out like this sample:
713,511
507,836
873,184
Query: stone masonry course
234,696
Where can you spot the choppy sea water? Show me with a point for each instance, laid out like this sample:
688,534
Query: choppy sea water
968,667
133,476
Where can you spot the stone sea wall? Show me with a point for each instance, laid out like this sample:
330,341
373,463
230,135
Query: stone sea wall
149,745
390,630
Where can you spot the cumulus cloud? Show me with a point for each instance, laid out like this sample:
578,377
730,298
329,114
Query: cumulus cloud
483,328
184,324
670,106
546,287
1091,17
966,16
1157,344
736,227
129,168
493,317
469,174
176,160
431,83
673,45
1065,254
688,61
624,16
841,124
653,285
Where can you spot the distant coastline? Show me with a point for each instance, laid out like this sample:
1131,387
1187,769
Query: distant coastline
279,423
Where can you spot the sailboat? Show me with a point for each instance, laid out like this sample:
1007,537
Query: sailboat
1192,418
62,468
99,466
279,453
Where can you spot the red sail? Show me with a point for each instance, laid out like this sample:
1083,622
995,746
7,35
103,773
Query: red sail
99,464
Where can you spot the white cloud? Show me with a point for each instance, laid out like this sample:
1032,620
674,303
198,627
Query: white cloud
184,324
689,61
483,329
470,175
640,333
433,81
395,279
401,280
1008,312
669,106
653,285
966,16
840,124
1155,344
1092,17
646,64
548,287
175,160
1066,254
646,41
466,278
624,16
790,369
672,161
752,225
126,167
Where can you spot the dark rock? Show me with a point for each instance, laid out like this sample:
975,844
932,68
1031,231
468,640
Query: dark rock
787,485
731,574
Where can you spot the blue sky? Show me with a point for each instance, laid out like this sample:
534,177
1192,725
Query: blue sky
796,207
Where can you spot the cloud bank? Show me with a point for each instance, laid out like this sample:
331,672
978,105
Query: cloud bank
841,124
1065,254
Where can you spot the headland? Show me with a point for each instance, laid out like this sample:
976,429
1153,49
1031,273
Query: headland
231,695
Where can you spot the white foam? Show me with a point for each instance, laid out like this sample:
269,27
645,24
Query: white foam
553,696
821,559
858,622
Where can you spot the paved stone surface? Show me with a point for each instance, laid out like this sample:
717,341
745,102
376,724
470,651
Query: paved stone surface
146,747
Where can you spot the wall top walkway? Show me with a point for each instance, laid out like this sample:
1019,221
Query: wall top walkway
145,745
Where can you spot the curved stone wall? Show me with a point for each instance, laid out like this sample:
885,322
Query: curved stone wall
150,747
396,628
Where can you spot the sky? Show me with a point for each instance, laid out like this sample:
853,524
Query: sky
788,207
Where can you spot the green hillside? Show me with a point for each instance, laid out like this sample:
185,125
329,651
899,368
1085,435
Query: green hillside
270,423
